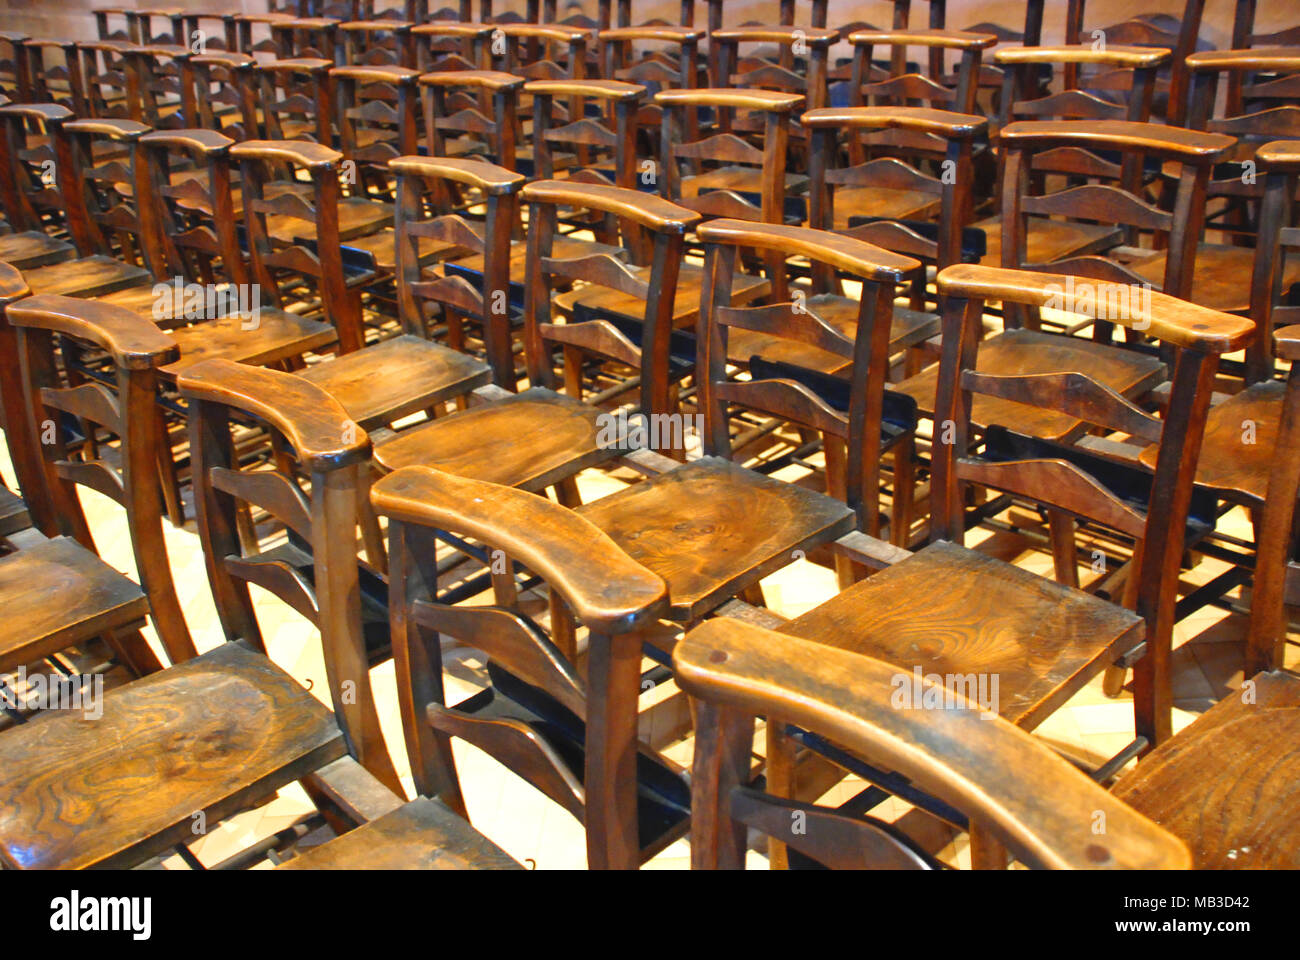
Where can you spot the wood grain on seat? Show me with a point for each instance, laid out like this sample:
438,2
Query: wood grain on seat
32,248
1220,275
712,527
86,276
56,593
953,611
1228,785
276,336
420,835
400,376
210,735
1047,241
536,438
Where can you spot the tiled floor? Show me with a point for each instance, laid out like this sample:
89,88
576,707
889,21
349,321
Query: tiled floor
537,831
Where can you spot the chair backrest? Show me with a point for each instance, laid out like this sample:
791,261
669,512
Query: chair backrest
688,144
297,91
378,110
1175,221
29,187
58,81
205,33
1271,306
112,23
375,42
545,52
562,116
1260,105
954,133
316,572
89,367
850,409
225,80
194,216
910,89
1178,34
245,34
102,198
811,44
110,82
1024,94
166,86
453,45
417,220
1050,473
481,105
999,777
305,38
315,253
678,68
645,222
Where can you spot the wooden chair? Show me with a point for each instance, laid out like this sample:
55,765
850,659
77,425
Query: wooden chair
110,85
101,221
377,108
1011,789
32,206
472,112
223,86
48,328
245,34
544,51
107,30
554,436
409,373
91,599
165,86
538,716
206,32
245,727
150,27
1051,639
1244,37
755,72
1264,83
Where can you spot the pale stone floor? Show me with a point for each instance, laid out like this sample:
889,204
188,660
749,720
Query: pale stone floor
535,830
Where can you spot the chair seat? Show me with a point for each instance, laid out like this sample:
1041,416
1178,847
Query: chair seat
1240,470
58,593
711,528
382,248
209,735
358,216
909,328
1220,276
740,179
400,376
883,203
420,835
1019,352
531,441
955,612
686,301
1228,785
33,248
1047,241
277,336
86,277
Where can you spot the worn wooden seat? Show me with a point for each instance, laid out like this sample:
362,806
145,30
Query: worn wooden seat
421,835
33,248
206,736
1013,790
1224,784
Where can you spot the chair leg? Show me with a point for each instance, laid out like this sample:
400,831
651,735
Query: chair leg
900,520
1061,527
168,479
780,769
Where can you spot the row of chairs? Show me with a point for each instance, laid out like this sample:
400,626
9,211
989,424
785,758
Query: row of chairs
829,300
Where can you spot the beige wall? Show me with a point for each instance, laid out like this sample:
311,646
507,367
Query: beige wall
71,18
